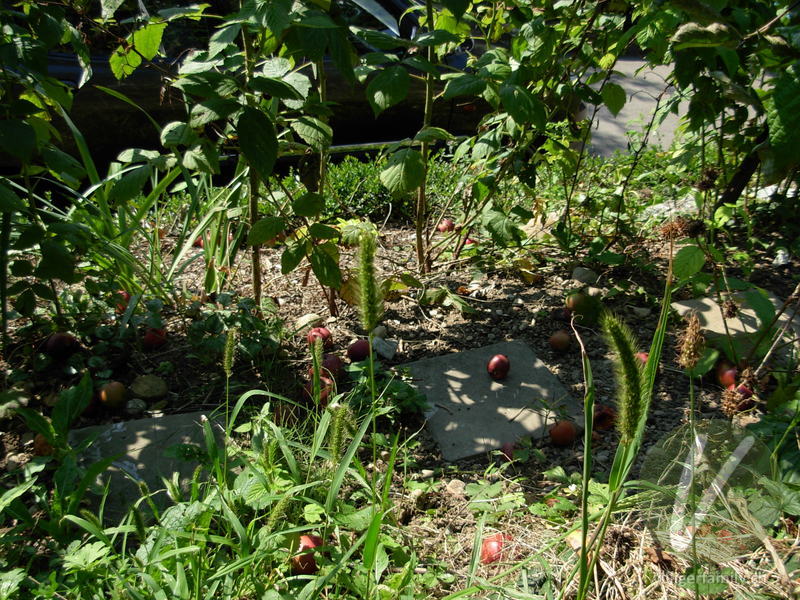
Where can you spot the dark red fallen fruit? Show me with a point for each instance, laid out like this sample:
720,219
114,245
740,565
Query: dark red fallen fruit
643,356
60,345
333,365
563,433
446,225
41,447
561,314
303,562
325,389
507,450
604,417
498,367
321,333
154,338
728,377
121,299
112,394
492,547
560,341
358,350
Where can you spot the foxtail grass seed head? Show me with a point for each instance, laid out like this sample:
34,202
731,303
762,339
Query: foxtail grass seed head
370,300
631,404
692,343
230,351
316,354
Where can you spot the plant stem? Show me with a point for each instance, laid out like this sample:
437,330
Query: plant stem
423,258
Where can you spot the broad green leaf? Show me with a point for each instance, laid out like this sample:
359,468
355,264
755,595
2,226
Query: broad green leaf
325,264
177,134
464,85
266,229
275,88
614,97
223,38
432,134
758,300
323,232
18,139
404,171
9,201
123,62
202,157
257,141
147,39
314,132
309,204
457,7
212,110
378,39
71,403
437,37
503,229
688,261
783,119
10,581
387,88
57,262
302,86
109,7
291,257
523,106
130,185
277,15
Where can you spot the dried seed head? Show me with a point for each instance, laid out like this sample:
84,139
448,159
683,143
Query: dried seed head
692,343
730,309
674,229
695,227
708,179
735,402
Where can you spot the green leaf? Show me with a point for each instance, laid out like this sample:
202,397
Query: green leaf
614,97
783,119
523,106
432,134
9,201
325,264
291,257
109,7
71,404
275,88
25,303
314,132
176,134
404,171
309,204
688,261
18,139
705,364
223,38
130,185
258,141
457,7
437,37
266,229
704,584
464,85
758,300
387,88
57,262
323,232
147,39
212,110
503,229
123,62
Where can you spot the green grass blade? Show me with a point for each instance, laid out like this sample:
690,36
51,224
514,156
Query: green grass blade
338,477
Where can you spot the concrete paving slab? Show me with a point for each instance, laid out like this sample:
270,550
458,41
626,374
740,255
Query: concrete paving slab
471,413
643,85
741,327
140,447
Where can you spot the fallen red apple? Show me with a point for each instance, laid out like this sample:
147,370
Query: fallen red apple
122,298
358,350
498,367
728,377
643,356
507,450
576,301
321,333
60,345
560,341
198,243
563,433
41,447
492,548
325,389
154,338
604,417
303,562
446,225
470,241
333,365
745,391
113,394
561,314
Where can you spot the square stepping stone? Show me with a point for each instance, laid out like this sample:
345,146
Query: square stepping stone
139,447
471,413
743,326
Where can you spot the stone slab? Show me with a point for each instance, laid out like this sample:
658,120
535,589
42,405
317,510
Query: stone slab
742,327
471,413
140,447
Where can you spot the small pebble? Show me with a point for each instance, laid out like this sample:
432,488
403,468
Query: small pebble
136,407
